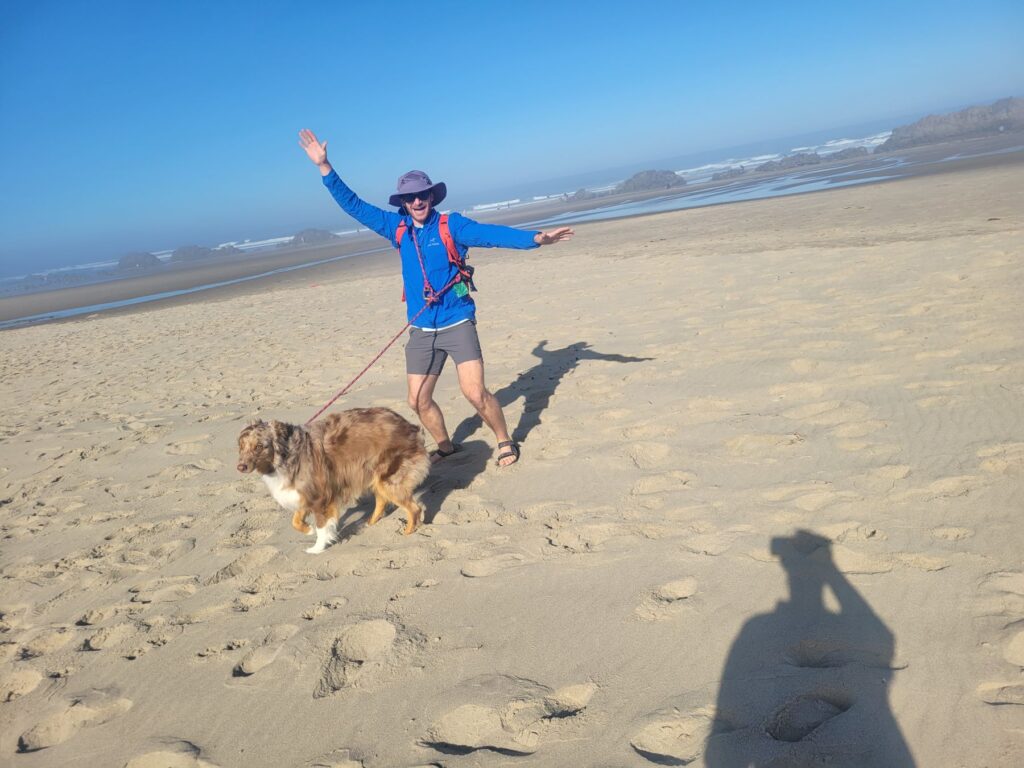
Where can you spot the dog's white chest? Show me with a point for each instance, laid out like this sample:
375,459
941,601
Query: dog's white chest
286,497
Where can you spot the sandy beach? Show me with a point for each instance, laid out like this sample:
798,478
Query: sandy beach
768,511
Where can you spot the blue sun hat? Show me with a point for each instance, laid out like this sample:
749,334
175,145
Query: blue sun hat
417,181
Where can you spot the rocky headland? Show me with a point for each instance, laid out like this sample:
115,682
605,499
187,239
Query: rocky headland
1003,116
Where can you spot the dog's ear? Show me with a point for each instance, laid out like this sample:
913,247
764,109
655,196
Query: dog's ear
280,436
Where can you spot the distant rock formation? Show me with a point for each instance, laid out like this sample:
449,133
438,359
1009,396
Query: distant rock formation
648,180
132,262
313,237
1002,116
191,253
790,161
850,153
729,173
582,194
200,252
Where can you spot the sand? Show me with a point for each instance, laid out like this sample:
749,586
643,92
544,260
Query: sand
768,511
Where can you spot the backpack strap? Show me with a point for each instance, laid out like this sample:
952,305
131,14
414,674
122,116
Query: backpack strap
399,234
454,257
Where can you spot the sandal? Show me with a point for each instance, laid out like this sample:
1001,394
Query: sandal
437,454
512,452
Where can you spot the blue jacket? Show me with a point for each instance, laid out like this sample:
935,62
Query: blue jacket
465,232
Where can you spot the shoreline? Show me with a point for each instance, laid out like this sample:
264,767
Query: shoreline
361,255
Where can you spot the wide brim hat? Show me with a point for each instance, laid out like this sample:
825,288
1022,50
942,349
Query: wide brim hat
417,181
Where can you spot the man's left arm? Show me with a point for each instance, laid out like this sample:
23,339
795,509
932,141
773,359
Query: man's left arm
473,234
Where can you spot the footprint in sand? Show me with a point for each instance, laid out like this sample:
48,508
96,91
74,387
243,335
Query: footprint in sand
110,637
578,538
951,533
189,470
1001,693
323,607
188,447
705,540
165,590
266,652
251,561
666,600
159,554
764,447
1013,651
18,682
516,727
1008,583
45,642
488,566
92,709
674,738
795,720
944,488
254,530
1003,459
173,753
365,653
342,758
651,456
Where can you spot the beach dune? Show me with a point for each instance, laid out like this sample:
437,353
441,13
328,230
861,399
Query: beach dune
768,509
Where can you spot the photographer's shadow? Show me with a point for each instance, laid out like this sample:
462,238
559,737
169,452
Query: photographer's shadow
537,384
805,685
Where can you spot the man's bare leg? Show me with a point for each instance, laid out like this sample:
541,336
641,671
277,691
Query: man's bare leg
471,380
421,400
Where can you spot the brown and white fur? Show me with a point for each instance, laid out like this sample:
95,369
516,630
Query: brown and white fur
318,470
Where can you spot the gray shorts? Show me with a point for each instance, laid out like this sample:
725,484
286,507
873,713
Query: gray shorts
427,351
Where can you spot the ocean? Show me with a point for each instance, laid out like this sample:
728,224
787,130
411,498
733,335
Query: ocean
699,191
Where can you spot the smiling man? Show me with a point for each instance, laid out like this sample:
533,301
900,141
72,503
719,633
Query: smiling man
437,282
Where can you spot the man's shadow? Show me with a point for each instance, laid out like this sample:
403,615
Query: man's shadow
807,686
537,384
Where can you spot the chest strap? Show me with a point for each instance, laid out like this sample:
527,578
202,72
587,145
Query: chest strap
454,258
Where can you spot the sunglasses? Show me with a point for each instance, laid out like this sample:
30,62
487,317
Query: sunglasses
414,196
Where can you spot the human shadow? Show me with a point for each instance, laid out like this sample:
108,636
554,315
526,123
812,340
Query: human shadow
806,686
537,384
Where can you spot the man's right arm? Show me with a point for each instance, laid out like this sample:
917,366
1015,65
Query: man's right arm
384,223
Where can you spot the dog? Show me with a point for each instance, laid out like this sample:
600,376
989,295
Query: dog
317,470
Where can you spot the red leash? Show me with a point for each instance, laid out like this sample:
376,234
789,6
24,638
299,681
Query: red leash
431,298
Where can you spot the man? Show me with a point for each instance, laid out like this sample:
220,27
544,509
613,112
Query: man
442,314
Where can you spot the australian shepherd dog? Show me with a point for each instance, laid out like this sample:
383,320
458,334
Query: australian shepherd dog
315,471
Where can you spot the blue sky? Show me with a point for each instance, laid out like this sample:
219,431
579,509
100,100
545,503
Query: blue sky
146,126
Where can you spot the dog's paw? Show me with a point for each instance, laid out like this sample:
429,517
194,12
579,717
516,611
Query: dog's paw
324,537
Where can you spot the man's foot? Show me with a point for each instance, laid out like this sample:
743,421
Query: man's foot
442,453
509,457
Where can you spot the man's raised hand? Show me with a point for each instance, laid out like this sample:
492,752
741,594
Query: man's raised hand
316,151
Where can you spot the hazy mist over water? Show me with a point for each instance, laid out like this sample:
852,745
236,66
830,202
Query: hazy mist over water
100,257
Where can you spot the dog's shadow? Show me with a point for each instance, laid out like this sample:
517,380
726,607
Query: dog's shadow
450,474
353,520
